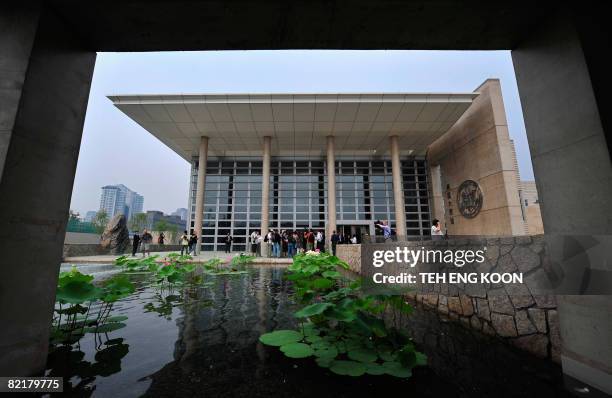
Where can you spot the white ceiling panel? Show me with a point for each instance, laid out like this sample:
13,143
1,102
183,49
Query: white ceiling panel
236,123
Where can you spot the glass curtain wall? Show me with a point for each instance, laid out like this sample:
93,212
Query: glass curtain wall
298,196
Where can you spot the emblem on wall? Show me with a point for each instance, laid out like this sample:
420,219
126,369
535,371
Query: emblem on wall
469,198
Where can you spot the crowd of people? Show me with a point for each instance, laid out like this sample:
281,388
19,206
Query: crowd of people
277,243
286,243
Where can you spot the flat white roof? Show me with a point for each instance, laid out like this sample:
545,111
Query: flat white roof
298,123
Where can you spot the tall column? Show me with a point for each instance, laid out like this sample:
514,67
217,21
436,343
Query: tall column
398,191
571,162
199,210
265,191
331,190
42,110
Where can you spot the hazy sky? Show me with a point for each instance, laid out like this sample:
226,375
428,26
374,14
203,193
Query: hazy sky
116,150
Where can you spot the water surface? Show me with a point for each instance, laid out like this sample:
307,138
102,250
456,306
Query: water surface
203,341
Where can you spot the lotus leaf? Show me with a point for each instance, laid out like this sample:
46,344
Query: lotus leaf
348,368
297,350
280,337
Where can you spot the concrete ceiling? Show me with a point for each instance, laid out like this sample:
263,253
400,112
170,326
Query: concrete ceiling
157,25
298,123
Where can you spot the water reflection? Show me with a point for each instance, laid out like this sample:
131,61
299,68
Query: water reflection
203,340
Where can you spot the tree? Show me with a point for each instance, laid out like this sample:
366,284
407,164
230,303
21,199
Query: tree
100,221
74,216
172,230
161,226
138,222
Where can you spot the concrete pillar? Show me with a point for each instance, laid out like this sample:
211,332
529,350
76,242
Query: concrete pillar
398,191
38,176
265,192
573,175
331,190
199,205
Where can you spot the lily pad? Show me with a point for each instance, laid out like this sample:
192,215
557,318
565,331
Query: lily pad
106,328
329,353
313,339
363,355
421,359
324,362
396,369
280,337
313,309
375,369
348,368
297,350
118,318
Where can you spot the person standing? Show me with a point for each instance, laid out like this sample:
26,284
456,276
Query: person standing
146,239
276,247
436,230
160,238
310,240
253,241
290,244
319,241
185,244
193,243
228,243
354,240
334,241
135,243
385,228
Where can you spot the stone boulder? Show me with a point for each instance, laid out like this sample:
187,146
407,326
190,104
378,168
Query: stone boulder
116,237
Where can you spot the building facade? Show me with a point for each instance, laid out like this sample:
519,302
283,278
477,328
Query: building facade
340,161
119,199
154,217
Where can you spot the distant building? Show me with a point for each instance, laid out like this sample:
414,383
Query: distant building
154,216
90,215
531,207
119,199
181,212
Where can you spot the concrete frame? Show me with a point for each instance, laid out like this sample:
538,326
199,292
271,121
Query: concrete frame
47,66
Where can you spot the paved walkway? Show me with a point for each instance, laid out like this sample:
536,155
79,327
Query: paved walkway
204,256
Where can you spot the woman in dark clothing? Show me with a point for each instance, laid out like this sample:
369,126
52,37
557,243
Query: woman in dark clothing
135,243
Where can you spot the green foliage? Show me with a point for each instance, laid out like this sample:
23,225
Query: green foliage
341,326
76,295
138,222
100,221
280,337
241,260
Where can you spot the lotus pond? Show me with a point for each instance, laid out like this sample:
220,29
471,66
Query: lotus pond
256,330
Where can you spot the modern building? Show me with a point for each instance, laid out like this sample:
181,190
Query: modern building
90,215
181,212
340,161
154,216
119,199
531,208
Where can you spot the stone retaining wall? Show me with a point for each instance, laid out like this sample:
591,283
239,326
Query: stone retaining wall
351,254
527,321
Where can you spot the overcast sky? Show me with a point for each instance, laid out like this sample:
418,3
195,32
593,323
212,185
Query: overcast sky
115,150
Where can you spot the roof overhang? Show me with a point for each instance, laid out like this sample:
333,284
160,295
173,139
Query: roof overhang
298,123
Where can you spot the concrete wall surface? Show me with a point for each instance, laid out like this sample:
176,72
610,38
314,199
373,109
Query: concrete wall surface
573,173
81,238
477,147
37,183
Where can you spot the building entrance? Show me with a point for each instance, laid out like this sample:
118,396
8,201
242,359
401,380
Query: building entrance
353,229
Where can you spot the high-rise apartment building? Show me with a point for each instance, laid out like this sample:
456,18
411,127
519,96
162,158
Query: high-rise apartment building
119,199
